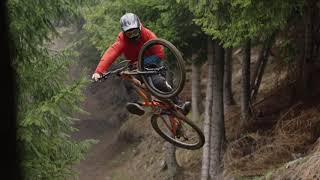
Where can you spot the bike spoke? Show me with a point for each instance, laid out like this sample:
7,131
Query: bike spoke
170,78
166,124
187,133
184,134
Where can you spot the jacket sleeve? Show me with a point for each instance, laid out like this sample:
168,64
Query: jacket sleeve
157,49
111,54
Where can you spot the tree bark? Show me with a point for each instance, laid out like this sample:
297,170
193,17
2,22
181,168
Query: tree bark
308,60
196,95
208,114
217,126
171,161
80,21
260,66
245,84
228,97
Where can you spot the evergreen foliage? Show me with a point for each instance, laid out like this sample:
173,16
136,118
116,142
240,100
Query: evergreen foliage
234,22
168,19
46,98
102,23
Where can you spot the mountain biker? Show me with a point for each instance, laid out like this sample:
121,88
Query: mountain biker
132,37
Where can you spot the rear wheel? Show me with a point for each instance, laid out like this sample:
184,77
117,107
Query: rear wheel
173,63
177,129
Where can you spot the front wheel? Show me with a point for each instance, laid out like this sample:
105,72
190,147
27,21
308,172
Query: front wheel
172,62
177,129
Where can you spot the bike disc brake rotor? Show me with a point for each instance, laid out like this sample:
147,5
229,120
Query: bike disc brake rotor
177,129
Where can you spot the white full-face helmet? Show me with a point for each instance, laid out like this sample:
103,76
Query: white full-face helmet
130,25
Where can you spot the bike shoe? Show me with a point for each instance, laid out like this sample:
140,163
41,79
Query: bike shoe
186,107
135,108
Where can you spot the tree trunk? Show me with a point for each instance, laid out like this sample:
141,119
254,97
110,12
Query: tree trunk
245,84
217,126
208,114
196,96
228,97
80,21
308,60
171,160
261,64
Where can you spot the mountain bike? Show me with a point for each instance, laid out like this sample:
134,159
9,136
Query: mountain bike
167,118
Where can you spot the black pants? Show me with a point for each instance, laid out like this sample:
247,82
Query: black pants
158,80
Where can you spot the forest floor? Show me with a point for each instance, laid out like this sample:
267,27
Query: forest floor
93,166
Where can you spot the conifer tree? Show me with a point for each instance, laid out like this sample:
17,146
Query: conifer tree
46,100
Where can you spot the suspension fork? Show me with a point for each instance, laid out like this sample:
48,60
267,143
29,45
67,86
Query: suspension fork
174,125
138,87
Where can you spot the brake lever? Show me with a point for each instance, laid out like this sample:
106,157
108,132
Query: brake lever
105,75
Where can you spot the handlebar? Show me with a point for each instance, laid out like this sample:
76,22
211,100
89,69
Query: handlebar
132,72
116,72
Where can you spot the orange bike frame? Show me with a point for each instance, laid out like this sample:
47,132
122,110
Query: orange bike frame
147,102
141,90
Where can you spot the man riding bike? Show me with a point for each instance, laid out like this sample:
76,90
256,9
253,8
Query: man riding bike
132,37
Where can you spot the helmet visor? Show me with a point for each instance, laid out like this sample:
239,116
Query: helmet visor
132,33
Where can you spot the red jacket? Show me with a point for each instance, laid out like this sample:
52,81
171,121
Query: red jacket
129,49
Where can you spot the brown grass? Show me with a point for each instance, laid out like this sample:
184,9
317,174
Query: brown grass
280,141
254,154
303,168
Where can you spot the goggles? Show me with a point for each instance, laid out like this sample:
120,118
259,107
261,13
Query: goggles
132,33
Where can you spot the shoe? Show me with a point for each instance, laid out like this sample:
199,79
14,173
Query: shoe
135,108
186,107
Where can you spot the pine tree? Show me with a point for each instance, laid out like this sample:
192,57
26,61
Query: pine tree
46,100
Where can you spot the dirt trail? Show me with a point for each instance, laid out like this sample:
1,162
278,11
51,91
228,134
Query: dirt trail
94,164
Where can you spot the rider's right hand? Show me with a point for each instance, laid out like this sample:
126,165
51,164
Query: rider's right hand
96,76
